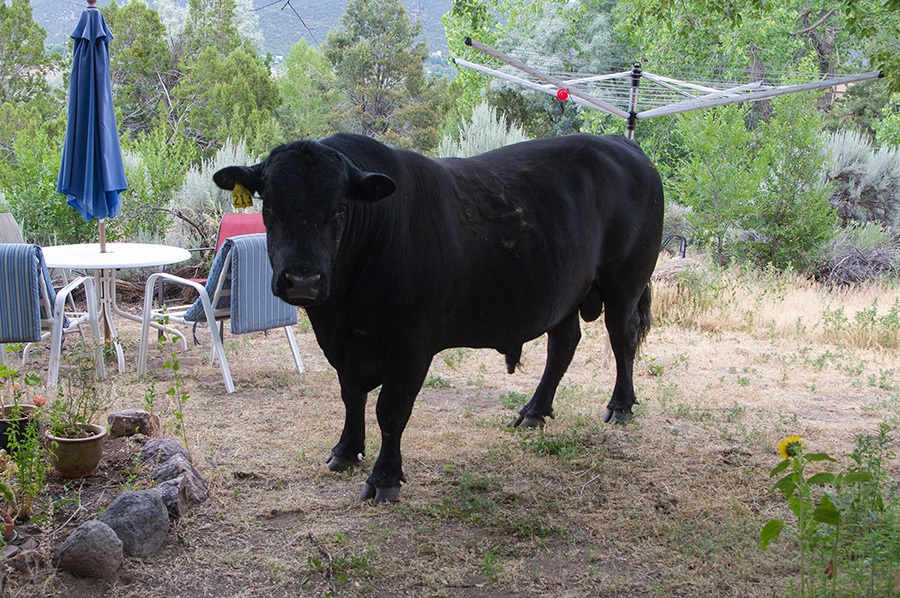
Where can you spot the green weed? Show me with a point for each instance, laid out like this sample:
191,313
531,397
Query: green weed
582,438
513,400
490,566
437,382
348,564
847,523
453,357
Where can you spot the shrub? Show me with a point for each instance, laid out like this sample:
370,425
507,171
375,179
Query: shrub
155,165
790,212
865,180
28,189
860,252
757,193
484,132
199,204
887,130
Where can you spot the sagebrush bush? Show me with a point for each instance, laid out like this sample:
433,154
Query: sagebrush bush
485,131
199,205
865,180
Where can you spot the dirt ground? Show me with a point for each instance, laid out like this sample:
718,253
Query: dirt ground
670,505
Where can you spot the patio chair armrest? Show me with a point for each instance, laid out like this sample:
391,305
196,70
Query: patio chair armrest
63,294
91,316
151,282
207,312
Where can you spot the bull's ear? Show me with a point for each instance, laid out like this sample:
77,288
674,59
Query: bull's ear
370,186
248,176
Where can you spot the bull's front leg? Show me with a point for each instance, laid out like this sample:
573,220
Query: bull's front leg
394,407
352,445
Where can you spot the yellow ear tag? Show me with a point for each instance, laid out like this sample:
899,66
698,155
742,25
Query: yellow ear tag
241,197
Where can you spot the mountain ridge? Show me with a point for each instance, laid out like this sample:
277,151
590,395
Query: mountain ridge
282,23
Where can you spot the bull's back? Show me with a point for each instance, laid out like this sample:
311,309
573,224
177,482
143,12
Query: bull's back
539,221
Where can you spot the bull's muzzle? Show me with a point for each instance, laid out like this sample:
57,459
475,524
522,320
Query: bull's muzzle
301,289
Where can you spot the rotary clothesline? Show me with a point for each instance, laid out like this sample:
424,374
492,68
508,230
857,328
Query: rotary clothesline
620,93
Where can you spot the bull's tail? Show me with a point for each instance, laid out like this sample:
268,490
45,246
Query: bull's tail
645,318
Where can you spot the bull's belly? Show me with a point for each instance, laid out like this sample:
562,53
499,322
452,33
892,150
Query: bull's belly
502,329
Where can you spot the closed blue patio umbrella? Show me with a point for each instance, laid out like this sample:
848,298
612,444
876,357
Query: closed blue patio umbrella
91,173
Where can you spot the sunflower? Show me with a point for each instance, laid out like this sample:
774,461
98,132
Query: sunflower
790,447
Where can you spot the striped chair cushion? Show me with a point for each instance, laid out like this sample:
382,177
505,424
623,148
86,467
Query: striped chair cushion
21,311
195,312
253,306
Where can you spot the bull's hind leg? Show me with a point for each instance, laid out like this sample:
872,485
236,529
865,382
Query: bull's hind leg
562,340
627,321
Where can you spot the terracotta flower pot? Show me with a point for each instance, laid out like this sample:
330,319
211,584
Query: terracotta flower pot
7,527
14,426
76,457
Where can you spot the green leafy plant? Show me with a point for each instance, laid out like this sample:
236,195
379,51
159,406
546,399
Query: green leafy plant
26,469
757,193
176,392
80,399
491,566
16,393
847,531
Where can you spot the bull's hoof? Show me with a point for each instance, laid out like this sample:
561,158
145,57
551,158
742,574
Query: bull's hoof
617,416
380,494
340,464
528,421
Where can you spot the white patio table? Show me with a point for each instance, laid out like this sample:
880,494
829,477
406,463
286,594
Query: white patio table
118,255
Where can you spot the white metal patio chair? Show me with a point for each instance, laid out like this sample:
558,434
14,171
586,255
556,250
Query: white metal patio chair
9,229
31,310
238,288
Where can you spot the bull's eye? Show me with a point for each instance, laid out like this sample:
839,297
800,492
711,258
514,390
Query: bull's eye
340,214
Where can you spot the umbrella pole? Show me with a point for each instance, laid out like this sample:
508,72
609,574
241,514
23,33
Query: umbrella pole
103,235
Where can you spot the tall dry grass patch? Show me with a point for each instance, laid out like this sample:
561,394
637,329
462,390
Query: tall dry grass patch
698,294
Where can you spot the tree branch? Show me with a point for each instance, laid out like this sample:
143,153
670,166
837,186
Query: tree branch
815,25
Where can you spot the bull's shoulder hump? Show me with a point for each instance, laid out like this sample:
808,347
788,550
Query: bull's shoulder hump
371,155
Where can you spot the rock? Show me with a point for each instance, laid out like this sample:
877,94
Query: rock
178,466
25,557
162,449
92,550
175,496
131,422
141,521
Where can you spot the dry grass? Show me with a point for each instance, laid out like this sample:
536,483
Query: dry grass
782,305
671,505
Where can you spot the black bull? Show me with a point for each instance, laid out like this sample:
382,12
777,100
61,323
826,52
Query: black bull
397,257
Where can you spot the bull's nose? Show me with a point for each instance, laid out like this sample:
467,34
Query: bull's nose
302,288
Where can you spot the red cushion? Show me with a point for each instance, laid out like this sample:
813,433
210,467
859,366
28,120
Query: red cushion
236,224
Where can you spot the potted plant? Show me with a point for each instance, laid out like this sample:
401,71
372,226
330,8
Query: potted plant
15,413
23,469
7,522
75,441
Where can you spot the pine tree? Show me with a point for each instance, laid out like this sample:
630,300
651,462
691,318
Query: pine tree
141,66
379,68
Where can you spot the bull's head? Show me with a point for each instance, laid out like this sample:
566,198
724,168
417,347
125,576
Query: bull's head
306,189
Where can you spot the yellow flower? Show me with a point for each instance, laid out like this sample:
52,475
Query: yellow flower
790,447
